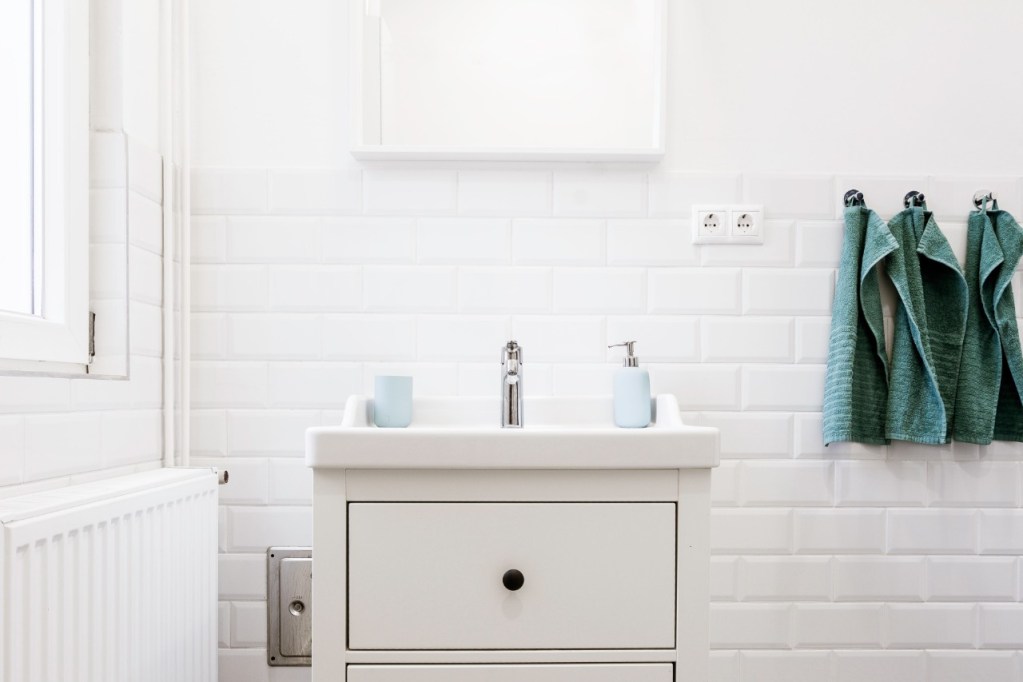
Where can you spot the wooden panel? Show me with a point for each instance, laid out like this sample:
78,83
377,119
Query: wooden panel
658,672
693,590
329,571
468,485
511,656
429,575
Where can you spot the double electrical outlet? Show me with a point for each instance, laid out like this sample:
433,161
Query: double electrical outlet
723,224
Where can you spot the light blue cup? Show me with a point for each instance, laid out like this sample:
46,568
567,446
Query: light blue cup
392,402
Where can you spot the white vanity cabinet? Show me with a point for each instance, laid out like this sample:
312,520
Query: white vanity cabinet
498,570
610,672
437,582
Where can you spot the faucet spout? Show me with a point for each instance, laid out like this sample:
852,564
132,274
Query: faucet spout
511,385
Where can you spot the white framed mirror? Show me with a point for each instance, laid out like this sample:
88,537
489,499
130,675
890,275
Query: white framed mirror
576,80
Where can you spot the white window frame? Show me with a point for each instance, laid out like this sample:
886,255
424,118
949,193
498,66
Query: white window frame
58,339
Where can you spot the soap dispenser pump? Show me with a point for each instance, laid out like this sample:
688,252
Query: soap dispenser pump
631,391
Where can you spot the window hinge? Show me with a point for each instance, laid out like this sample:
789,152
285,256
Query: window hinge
92,336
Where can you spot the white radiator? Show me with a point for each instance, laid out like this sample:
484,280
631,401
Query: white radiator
114,580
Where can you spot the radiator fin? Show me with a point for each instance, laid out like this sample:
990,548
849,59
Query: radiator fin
112,581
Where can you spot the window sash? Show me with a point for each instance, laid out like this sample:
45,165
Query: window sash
17,148
59,333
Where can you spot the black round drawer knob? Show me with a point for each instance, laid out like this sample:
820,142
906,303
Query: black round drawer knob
513,579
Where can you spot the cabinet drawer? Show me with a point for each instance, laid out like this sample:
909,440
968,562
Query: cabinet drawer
431,576
605,672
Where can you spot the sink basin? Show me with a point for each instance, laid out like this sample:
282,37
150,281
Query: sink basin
559,433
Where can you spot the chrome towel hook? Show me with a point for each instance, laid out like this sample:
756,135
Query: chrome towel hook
854,197
913,198
982,196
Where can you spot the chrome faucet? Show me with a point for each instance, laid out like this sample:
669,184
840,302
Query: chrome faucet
511,385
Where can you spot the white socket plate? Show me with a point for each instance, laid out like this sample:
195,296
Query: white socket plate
728,217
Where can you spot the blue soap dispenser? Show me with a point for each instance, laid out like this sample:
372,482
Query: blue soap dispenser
631,391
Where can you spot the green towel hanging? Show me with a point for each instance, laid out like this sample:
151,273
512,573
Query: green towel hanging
856,383
988,403
928,329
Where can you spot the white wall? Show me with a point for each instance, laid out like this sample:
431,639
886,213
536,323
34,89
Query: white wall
912,87
269,83
311,274
54,431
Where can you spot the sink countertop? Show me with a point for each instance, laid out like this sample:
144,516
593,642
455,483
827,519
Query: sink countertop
559,433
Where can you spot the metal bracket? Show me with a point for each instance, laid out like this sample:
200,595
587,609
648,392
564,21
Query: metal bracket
913,199
982,196
289,612
853,197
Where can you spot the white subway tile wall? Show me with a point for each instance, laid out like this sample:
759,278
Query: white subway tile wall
57,431
840,564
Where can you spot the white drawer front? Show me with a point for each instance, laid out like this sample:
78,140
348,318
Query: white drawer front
429,576
607,672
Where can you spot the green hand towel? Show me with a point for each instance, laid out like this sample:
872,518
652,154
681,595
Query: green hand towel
856,383
928,330
988,404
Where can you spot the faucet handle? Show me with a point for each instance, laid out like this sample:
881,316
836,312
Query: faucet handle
511,358
511,351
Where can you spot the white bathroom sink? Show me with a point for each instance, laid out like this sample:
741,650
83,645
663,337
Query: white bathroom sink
465,433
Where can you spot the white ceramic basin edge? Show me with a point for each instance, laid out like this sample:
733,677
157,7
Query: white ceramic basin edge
559,433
